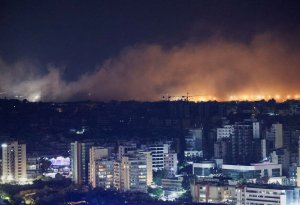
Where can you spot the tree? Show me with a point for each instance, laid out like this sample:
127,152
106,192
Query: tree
44,164
159,175
186,197
187,180
156,192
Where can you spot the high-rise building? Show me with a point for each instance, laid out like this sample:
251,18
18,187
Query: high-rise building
277,128
158,151
148,158
222,150
242,145
117,174
263,148
14,162
225,132
290,142
239,144
256,130
131,173
104,174
95,153
80,162
298,176
274,137
299,151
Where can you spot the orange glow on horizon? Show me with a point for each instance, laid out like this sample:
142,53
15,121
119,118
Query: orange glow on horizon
242,97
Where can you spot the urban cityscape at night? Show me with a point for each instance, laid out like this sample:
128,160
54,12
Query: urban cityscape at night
160,102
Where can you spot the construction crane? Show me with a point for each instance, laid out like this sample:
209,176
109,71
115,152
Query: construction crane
173,97
188,97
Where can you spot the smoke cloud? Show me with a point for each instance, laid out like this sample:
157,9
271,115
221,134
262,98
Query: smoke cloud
215,68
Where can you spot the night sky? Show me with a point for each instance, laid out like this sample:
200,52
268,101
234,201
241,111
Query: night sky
122,50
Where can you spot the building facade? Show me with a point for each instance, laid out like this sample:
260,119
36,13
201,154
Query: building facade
170,163
104,174
133,172
158,151
14,162
80,162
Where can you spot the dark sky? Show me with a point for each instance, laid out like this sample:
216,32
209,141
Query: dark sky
81,34
77,36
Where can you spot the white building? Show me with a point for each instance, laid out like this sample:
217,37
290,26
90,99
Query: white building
252,171
212,191
225,132
193,153
14,162
267,195
203,169
158,151
228,130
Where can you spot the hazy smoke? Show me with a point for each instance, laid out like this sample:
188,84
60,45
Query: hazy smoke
216,67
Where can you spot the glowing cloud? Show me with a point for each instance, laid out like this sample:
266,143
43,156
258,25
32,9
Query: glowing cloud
216,69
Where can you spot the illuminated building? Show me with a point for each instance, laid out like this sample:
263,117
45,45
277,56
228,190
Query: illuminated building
211,190
117,175
14,162
269,194
33,168
132,172
193,154
95,153
298,176
80,162
224,132
148,158
104,174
